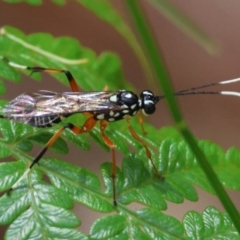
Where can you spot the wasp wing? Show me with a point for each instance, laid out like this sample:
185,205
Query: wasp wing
44,107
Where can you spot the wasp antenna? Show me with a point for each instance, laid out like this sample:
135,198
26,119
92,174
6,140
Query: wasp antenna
229,93
208,85
230,81
158,98
193,91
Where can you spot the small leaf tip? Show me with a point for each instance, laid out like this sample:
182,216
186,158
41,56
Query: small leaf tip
2,31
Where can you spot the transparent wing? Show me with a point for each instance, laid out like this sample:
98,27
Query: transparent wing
21,109
51,105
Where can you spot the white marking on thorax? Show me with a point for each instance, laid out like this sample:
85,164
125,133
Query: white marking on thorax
128,95
113,98
140,103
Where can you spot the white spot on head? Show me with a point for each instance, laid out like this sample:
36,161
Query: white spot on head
125,111
113,98
133,106
100,116
148,101
147,93
111,119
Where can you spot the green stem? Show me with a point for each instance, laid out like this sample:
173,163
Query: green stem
187,26
40,51
159,69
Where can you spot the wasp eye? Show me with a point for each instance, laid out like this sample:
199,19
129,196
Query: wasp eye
149,107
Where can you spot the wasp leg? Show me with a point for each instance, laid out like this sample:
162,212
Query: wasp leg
148,153
88,125
140,120
68,74
105,88
110,144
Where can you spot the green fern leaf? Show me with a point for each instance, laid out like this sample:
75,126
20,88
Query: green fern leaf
210,225
39,210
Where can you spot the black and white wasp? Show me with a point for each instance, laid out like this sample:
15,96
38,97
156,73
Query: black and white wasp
45,108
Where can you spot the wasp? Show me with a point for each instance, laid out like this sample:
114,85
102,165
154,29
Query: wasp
45,108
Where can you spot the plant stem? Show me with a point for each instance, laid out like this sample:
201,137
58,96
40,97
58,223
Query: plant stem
159,69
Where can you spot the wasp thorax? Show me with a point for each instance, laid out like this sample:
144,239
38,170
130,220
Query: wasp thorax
148,102
128,98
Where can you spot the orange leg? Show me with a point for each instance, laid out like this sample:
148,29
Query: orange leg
87,126
105,88
140,120
110,144
148,153
69,76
